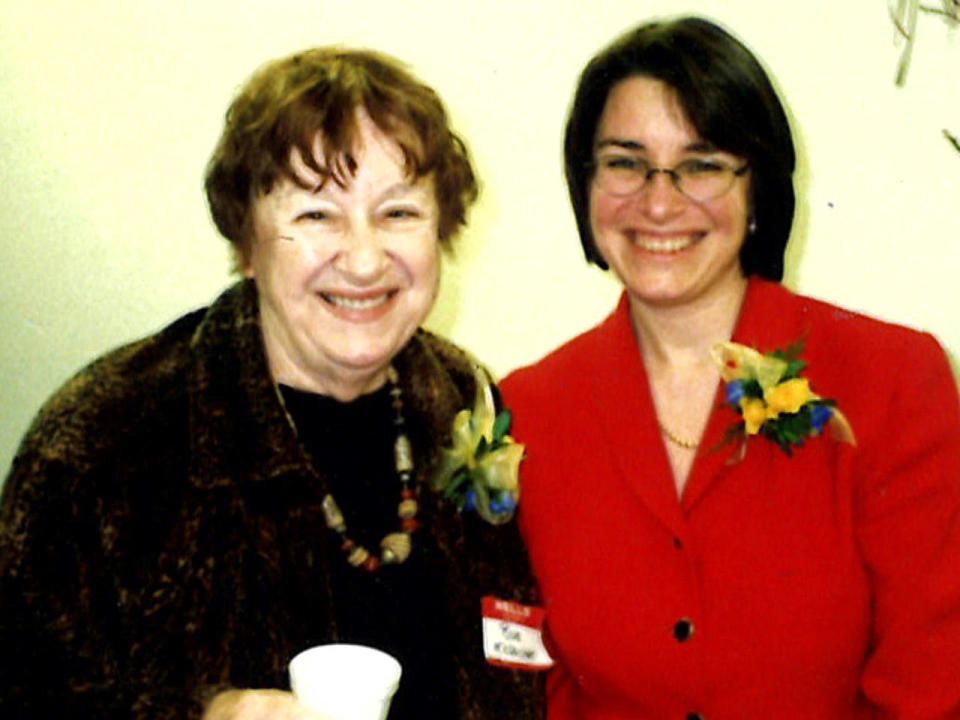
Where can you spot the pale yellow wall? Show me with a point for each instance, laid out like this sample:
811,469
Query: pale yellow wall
109,109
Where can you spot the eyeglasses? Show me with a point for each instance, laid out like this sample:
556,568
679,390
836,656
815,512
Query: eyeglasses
698,179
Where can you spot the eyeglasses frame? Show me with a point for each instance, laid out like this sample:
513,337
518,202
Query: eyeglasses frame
674,179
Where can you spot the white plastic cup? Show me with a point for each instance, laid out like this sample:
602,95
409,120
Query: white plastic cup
345,682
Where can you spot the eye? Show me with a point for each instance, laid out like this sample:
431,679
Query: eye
403,212
313,215
622,162
702,167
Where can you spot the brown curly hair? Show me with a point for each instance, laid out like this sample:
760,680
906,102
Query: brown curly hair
287,102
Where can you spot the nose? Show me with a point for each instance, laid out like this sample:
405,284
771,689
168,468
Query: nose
660,196
363,256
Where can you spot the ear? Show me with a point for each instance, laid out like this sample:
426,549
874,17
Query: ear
752,209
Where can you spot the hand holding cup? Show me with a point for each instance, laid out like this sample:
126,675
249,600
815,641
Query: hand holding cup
258,705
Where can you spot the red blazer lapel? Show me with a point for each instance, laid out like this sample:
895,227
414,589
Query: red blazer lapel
624,405
714,456
767,321
625,412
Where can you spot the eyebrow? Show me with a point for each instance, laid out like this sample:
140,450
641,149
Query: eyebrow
696,146
395,190
398,190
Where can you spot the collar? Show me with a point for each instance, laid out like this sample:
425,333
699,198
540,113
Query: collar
624,404
238,425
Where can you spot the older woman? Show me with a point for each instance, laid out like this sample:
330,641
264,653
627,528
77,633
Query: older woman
193,509
785,544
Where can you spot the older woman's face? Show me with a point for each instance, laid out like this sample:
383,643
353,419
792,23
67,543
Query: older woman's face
344,274
665,247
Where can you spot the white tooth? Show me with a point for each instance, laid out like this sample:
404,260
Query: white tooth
356,303
664,244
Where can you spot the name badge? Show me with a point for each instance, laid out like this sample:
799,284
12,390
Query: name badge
513,635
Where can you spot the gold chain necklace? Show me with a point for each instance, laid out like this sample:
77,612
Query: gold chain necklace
395,547
676,439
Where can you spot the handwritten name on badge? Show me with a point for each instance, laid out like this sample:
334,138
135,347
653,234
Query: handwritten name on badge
513,635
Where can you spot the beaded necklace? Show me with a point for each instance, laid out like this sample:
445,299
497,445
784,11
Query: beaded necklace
395,547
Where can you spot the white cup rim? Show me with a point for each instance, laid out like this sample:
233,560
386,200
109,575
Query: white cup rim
373,659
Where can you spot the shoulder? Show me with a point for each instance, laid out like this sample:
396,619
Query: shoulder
439,355
567,359
561,372
847,340
437,378
771,299
112,393
563,361
125,390
132,396
118,434
871,367
435,361
121,412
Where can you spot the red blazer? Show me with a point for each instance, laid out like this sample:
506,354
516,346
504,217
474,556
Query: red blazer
823,585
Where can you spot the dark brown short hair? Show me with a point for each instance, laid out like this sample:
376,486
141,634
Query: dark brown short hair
287,102
728,99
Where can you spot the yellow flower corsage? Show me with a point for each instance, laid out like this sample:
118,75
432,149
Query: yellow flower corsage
772,398
479,470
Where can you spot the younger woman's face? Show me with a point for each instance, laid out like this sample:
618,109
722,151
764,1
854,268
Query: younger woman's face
666,248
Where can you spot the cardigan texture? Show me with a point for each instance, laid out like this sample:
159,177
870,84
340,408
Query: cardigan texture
824,585
161,535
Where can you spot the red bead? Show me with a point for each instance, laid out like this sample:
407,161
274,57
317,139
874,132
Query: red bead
407,493
409,525
347,545
371,563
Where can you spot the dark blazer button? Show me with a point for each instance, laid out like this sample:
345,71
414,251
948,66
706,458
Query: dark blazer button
694,716
683,629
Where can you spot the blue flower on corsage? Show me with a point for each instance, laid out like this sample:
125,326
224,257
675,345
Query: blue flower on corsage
480,467
773,399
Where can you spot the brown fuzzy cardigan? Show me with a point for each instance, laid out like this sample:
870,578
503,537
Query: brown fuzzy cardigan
161,518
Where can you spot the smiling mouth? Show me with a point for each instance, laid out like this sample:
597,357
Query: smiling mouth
358,303
664,244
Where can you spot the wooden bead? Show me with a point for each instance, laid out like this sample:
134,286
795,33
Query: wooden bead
332,514
409,525
396,547
407,508
403,454
358,556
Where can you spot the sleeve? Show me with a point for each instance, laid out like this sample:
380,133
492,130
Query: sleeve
55,660
909,531
67,633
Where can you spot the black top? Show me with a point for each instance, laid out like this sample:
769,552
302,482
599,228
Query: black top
398,608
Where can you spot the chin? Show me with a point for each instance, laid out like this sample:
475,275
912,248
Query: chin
370,361
369,347
369,356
